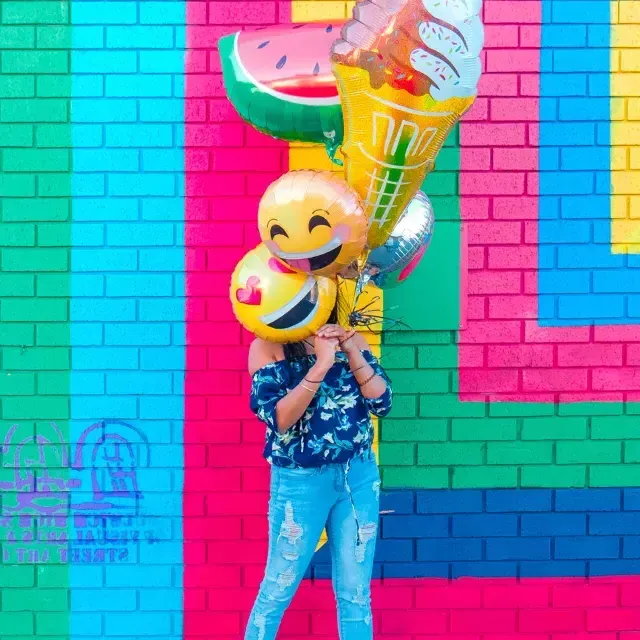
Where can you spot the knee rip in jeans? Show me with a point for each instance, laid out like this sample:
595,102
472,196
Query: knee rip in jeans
366,533
286,579
360,598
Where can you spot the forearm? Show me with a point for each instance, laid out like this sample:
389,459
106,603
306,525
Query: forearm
293,406
363,372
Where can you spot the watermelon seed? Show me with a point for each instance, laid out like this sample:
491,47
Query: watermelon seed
316,69
329,28
263,44
281,62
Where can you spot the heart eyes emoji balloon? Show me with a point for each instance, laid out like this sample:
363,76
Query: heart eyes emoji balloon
276,303
313,221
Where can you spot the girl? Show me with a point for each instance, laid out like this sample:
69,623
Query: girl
316,398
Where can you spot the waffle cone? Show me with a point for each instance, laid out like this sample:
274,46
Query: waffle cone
390,144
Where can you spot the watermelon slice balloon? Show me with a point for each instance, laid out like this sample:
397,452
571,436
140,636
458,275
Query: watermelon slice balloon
279,79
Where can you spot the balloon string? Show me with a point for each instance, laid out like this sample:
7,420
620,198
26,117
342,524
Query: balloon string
364,318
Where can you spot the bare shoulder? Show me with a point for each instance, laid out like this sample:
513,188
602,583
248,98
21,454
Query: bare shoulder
262,353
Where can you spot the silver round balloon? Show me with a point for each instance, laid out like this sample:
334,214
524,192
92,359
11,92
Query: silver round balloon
393,262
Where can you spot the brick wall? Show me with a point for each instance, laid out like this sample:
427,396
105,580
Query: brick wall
506,458
133,490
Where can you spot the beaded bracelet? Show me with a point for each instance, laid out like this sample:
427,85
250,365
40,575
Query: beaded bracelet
368,380
304,386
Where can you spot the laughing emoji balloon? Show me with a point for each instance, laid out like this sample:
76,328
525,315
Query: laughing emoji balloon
313,221
276,303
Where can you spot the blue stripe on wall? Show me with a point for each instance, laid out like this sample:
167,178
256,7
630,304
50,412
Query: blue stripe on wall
504,533
580,281
127,312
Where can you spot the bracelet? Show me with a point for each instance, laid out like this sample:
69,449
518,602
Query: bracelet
360,367
313,381
304,386
368,380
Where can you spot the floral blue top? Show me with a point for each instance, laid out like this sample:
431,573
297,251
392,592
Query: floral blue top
337,424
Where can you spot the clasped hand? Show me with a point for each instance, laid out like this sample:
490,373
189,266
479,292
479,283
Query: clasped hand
329,339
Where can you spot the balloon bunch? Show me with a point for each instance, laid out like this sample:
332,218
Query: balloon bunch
385,88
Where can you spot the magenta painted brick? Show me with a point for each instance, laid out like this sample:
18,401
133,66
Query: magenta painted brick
476,160
212,184
512,307
487,621
479,111
210,235
616,379
613,619
195,110
500,36
493,183
522,257
552,620
485,381
520,355
511,60
491,332
242,13
590,595
446,597
556,379
581,355
502,596
535,333
522,159
196,14
476,208
491,135
473,355
498,84
494,233
514,109
514,208
633,354
246,159
476,309
626,334
243,209
482,281
218,135
414,622
512,12
476,257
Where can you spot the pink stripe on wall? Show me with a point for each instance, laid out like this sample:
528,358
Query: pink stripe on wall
504,354
228,165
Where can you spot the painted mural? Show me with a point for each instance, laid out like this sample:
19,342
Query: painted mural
134,495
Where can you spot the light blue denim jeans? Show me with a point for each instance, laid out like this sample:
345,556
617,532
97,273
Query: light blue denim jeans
345,499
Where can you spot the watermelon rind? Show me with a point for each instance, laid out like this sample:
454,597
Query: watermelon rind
282,116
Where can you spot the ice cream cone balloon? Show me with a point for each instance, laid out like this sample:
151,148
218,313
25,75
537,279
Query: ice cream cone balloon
407,71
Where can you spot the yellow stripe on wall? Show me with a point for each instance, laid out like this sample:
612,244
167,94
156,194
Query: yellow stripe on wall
625,126
311,156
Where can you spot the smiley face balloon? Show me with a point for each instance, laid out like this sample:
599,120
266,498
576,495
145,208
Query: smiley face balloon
276,303
314,221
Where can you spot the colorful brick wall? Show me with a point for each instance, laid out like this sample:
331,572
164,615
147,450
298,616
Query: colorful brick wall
134,495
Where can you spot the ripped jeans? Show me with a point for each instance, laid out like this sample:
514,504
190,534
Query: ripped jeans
345,499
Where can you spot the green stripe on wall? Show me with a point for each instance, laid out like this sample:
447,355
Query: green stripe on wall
35,209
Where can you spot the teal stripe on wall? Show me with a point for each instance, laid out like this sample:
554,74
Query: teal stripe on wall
127,314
